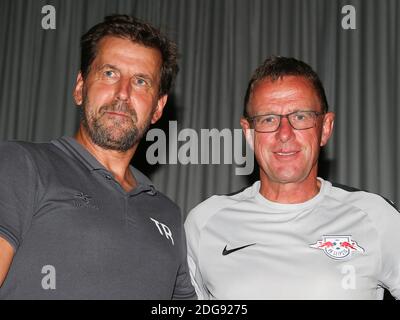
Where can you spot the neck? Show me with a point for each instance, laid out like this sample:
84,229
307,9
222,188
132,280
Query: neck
296,192
114,161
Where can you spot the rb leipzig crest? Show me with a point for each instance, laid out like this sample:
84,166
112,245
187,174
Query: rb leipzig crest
337,247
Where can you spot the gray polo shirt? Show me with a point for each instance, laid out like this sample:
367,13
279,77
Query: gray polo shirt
79,235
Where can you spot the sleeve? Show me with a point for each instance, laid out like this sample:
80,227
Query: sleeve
389,231
183,287
192,230
18,184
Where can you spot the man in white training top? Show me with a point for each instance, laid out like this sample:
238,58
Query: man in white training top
292,235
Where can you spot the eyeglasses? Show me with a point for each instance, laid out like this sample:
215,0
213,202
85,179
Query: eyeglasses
299,120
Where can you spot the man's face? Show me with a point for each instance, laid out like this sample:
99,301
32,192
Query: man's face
287,155
119,96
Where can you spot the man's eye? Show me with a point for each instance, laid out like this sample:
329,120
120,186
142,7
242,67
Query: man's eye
141,82
300,116
109,74
268,119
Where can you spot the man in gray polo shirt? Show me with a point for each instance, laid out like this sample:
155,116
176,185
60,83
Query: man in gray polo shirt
76,220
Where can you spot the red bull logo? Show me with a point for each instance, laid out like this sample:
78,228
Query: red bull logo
337,247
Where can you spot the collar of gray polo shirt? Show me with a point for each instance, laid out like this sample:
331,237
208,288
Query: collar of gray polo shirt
73,148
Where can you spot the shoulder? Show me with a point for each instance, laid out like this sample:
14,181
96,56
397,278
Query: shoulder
11,149
374,205
199,215
26,164
15,153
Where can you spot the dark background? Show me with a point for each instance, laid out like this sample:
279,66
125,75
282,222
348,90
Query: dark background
220,42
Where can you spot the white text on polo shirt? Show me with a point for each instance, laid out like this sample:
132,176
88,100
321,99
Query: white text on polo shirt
163,229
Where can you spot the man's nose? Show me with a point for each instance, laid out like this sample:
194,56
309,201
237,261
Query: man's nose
124,88
285,130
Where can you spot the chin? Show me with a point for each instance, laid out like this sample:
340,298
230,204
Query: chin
288,177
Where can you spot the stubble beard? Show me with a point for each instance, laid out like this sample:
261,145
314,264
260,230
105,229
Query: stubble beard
117,136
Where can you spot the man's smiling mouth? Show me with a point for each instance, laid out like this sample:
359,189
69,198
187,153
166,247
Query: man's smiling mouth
286,153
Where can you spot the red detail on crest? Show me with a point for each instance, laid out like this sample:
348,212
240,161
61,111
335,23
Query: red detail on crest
327,244
346,244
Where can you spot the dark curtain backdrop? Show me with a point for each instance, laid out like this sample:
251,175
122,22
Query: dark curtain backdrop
221,42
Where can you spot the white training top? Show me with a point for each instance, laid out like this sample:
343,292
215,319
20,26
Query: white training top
341,244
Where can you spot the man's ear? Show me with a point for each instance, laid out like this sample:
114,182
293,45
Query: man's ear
159,109
327,128
247,131
78,91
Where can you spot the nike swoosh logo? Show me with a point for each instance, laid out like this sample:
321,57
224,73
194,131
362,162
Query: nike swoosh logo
226,252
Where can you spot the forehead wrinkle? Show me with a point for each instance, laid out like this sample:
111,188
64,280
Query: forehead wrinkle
271,96
127,56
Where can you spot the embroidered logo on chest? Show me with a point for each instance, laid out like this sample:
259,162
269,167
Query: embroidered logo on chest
337,247
164,230
85,201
